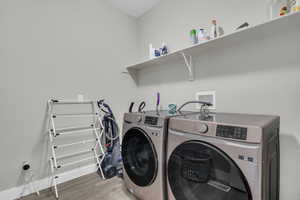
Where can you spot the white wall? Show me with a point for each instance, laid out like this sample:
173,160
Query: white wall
56,48
250,76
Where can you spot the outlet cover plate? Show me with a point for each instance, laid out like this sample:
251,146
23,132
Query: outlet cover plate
208,96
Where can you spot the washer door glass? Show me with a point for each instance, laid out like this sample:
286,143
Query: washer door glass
139,157
200,171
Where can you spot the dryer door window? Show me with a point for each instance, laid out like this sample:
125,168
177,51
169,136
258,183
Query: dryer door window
200,171
139,157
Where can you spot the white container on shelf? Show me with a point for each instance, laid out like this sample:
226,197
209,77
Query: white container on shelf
202,35
151,52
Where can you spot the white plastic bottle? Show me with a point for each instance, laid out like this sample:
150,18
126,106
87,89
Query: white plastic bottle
151,52
202,35
216,30
272,9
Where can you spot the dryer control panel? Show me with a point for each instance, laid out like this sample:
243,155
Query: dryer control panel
234,132
152,121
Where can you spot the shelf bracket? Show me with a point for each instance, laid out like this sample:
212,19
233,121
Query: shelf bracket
189,65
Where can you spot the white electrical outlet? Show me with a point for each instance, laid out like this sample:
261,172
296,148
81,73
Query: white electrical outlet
80,97
207,96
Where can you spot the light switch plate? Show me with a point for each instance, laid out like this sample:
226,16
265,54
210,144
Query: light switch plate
207,96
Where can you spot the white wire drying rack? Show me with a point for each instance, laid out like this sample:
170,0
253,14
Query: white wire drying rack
96,128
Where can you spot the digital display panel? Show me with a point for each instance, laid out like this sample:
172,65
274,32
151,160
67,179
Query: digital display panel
151,120
233,132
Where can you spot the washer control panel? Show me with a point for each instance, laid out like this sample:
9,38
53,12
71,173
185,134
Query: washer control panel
233,132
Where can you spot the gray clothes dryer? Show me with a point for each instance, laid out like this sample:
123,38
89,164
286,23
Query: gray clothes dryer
144,153
223,156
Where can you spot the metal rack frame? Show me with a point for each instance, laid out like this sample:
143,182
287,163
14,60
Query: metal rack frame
54,132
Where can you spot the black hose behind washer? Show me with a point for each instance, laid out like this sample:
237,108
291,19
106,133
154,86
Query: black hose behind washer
190,102
112,160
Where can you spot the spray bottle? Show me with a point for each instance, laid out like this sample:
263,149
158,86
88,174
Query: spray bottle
216,30
295,6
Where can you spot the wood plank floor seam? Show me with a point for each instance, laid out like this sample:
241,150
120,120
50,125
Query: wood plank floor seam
89,187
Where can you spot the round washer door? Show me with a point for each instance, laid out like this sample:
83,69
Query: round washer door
139,157
200,171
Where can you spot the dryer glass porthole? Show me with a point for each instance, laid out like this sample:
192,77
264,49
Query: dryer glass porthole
139,157
199,171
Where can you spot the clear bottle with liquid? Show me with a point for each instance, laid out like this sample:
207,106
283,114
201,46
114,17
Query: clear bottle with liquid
271,9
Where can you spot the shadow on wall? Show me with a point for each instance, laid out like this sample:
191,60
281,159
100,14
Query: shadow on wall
232,55
289,172
43,146
41,149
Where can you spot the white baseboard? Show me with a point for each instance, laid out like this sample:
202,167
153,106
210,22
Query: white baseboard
14,193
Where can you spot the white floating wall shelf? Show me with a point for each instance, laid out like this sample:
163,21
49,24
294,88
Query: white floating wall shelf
248,34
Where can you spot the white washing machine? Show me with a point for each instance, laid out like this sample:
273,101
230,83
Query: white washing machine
223,156
143,153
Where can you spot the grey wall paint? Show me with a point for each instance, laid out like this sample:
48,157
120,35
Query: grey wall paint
267,84
55,48
62,48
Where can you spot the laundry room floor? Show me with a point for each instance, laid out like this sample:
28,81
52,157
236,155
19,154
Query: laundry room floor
88,187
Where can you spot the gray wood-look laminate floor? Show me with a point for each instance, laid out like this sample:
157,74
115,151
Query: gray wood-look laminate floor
89,187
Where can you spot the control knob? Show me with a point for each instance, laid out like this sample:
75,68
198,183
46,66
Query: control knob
203,128
139,119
